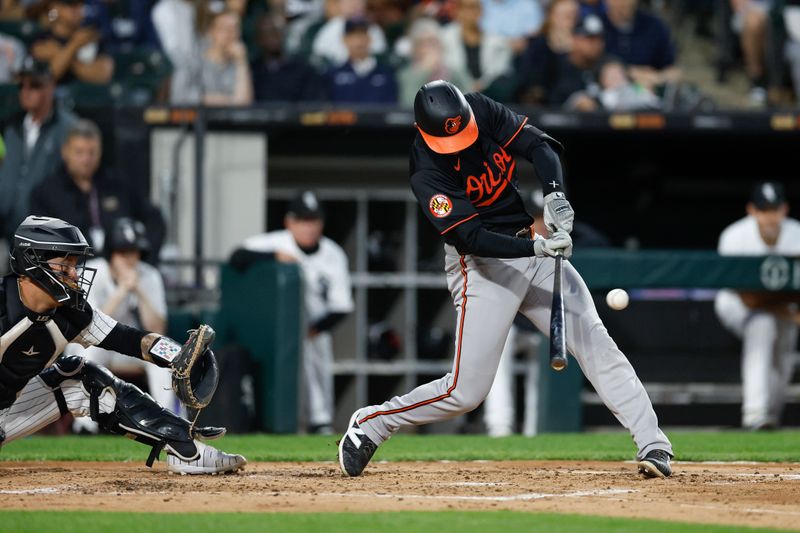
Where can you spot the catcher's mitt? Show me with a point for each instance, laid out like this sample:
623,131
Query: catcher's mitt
195,372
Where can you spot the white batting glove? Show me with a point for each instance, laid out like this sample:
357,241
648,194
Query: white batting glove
558,242
558,213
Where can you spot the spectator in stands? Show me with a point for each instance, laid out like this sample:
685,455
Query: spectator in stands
791,19
576,83
427,62
516,20
539,61
132,292
392,16
124,25
224,70
89,197
12,52
33,138
329,46
618,92
361,79
73,49
302,31
766,322
328,297
486,57
750,20
177,23
277,77
643,41
11,10
592,7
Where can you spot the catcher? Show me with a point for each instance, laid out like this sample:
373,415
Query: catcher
43,308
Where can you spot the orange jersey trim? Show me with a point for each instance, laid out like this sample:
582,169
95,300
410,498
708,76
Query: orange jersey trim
459,223
458,360
516,132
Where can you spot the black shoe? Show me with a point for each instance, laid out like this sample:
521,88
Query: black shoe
656,464
355,449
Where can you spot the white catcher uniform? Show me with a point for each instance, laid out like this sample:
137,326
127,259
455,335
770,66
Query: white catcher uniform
159,380
768,342
327,291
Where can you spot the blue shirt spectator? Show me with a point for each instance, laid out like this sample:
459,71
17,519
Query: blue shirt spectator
640,39
125,25
512,18
277,77
361,79
353,83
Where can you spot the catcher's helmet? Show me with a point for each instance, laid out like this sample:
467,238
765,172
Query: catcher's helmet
39,240
127,234
444,118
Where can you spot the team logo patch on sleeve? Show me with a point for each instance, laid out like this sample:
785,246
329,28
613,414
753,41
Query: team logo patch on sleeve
440,205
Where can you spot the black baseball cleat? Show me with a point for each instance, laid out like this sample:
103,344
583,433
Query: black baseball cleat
656,464
355,449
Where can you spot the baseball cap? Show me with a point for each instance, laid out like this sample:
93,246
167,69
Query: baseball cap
589,26
305,206
31,66
355,24
127,234
768,195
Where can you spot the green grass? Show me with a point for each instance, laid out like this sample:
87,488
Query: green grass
463,521
782,446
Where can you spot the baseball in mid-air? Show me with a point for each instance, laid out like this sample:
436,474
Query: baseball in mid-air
617,299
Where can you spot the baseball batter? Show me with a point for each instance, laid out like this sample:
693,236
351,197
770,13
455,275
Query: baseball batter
463,175
42,308
327,292
766,324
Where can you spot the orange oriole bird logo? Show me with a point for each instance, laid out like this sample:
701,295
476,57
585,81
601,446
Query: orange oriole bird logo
440,205
452,125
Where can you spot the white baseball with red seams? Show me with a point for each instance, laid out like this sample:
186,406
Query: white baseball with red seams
617,299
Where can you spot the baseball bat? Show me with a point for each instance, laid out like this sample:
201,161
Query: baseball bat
558,343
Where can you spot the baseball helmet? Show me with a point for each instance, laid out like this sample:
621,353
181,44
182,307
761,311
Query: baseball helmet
127,234
444,118
39,240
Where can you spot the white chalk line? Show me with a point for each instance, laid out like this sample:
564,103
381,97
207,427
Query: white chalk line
510,498
42,490
742,510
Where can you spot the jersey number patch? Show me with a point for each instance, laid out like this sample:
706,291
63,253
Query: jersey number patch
440,205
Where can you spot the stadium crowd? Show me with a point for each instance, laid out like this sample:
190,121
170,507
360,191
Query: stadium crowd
580,54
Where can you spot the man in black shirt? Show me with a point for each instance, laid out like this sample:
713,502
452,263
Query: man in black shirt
43,308
86,195
463,176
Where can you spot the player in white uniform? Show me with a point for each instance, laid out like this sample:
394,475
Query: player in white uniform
132,292
328,297
768,328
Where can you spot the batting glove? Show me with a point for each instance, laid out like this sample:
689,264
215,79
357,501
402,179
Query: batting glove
558,242
558,213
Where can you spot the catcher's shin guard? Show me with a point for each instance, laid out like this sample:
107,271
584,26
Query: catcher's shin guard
135,414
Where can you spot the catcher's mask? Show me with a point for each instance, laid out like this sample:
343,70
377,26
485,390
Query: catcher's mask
43,247
444,118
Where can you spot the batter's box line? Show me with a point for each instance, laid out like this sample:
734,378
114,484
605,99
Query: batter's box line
743,510
512,498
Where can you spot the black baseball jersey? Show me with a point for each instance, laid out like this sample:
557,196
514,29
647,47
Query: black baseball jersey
478,186
31,341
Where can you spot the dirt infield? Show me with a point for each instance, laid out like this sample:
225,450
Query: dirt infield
763,494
